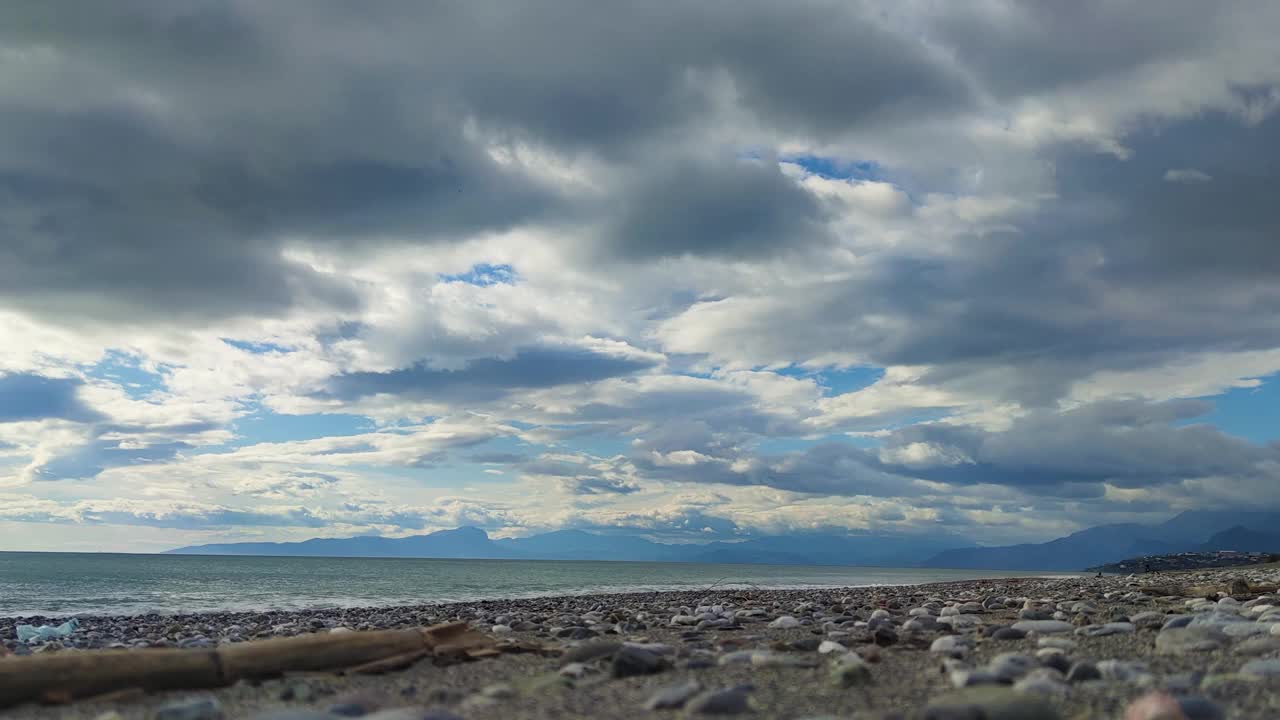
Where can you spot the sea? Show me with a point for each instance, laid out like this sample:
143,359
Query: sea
64,584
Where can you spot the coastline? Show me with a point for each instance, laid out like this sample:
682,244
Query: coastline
85,585
721,638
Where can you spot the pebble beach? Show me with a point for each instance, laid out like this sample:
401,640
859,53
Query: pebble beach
1162,646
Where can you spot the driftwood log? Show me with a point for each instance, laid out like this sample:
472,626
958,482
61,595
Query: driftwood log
1236,588
67,676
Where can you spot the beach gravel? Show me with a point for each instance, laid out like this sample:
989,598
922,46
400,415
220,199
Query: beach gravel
1071,648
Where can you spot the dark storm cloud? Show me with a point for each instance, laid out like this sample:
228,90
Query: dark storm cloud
488,378
1122,271
1124,443
1171,235
730,208
1067,455
1018,47
156,156
831,468
29,396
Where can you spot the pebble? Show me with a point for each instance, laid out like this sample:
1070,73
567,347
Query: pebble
990,703
632,661
672,696
1083,671
1011,666
730,701
1256,646
1056,642
1130,671
192,708
973,677
589,651
498,691
1054,658
413,713
786,622
951,645
850,670
1044,627
1268,668
1113,628
884,637
1149,619
292,715
1181,640
1008,633
1042,681
1196,707
655,648
1154,706
355,705
1244,629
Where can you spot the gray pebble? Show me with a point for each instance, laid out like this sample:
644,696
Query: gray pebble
673,696
631,661
1256,646
292,715
987,703
1083,671
731,701
1269,668
1009,633
1044,627
193,708
590,651
1195,707
1178,641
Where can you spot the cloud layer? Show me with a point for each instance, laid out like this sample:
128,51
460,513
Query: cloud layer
272,270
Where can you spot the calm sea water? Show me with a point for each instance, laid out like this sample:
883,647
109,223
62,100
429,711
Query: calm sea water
70,583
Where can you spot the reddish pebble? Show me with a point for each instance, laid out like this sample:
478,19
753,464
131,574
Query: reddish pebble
1154,706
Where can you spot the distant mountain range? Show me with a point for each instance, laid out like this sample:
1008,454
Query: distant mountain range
1194,530
470,542
1191,530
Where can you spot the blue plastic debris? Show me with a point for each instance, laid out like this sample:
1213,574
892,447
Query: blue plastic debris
27,633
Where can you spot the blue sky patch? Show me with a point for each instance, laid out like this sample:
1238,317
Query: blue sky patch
257,348
126,371
484,275
265,426
839,169
836,382
1251,413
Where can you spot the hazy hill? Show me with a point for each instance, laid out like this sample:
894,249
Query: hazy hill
1244,539
1191,530
469,542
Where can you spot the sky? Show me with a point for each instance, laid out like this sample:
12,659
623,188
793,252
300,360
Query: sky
989,270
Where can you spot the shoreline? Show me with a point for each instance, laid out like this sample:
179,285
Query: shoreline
620,595
1092,645
928,575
